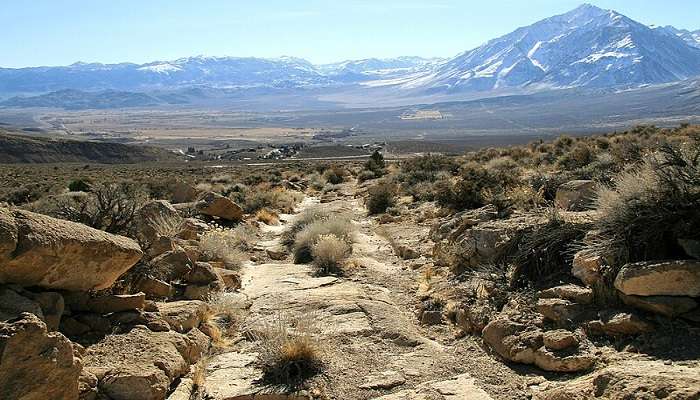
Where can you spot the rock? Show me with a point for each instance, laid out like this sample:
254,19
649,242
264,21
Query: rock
668,306
453,226
406,252
105,304
183,315
191,248
630,379
574,293
173,265
202,273
429,317
559,339
160,245
691,247
155,219
231,279
587,268
215,205
141,365
660,278
620,324
460,387
472,318
191,229
57,254
36,364
184,390
87,385
563,361
575,195
12,305
384,381
513,341
559,310
202,292
278,253
154,288
486,243
183,192
52,305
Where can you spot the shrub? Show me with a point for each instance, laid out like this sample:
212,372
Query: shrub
287,351
425,168
546,250
334,175
302,220
375,165
380,197
328,254
80,185
365,175
304,241
263,196
109,207
649,208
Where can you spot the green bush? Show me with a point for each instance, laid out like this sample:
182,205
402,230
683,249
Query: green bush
380,197
80,185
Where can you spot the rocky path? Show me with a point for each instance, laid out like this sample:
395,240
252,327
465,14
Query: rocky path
365,325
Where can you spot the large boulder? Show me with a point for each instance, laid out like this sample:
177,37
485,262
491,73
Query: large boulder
36,364
660,278
668,306
513,341
215,205
156,218
575,195
587,268
142,365
183,192
37,250
631,379
183,315
486,243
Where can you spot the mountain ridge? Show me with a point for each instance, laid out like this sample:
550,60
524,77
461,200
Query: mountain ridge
585,47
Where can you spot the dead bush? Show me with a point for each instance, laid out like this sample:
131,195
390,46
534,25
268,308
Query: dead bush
110,207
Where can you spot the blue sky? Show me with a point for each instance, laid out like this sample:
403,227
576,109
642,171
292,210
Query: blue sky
51,32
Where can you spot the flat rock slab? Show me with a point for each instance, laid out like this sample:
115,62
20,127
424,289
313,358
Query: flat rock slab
461,387
233,376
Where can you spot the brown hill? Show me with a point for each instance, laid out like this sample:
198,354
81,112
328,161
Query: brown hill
26,149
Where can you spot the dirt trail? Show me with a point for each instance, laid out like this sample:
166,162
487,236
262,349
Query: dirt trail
372,344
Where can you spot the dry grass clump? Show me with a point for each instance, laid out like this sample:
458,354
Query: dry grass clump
267,217
224,313
288,354
380,197
328,253
649,208
335,175
305,218
305,239
167,225
226,246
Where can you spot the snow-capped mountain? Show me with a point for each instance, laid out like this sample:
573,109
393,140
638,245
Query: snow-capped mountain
586,47
376,68
692,38
213,71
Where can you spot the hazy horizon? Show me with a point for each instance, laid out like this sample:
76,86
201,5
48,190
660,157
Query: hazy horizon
104,32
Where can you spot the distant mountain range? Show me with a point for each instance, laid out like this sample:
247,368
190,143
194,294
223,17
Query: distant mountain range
587,47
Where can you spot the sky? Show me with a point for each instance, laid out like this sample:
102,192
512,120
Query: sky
51,32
